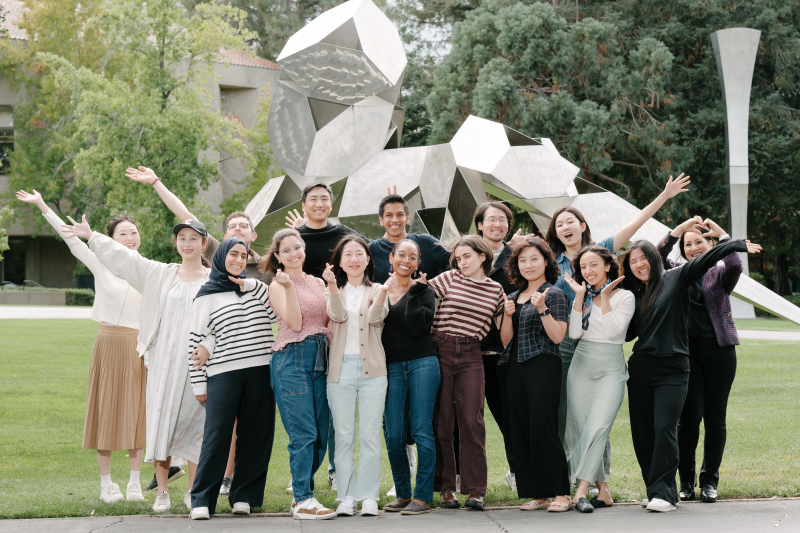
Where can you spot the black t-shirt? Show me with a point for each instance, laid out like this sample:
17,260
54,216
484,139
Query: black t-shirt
319,246
491,342
434,258
700,324
407,327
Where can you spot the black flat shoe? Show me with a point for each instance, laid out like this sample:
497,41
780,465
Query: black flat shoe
708,494
686,493
597,503
584,506
174,473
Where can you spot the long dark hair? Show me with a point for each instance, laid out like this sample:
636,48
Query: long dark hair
270,262
551,270
336,260
552,239
655,281
605,255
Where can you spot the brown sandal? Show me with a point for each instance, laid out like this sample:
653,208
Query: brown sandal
560,507
533,506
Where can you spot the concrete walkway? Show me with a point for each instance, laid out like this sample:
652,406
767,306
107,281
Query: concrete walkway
723,517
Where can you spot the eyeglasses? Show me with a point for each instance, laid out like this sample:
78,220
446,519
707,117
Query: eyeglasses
493,220
403,257
241,225
295,248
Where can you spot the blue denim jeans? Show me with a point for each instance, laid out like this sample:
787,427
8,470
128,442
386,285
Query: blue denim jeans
370,395
331,447
300,392
413,384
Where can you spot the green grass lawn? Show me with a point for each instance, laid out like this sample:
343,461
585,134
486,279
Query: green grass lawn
44,472
767,324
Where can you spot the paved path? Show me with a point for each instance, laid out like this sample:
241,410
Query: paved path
769,335
723,517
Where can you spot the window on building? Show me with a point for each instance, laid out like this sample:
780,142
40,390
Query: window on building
6,147
13,264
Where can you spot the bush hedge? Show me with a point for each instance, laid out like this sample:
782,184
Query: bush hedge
80,297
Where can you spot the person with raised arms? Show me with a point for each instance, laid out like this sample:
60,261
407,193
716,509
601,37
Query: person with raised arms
229,351
115,403
659,366
175,416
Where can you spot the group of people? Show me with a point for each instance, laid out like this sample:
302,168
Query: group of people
408,336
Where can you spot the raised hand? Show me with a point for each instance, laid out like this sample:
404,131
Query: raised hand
675,186
329,276
294,220
689,224
239,282
76,230
34,198
606,292
509,307
579,290
200,357
423,279
282,278
142,175
753,248
390,191
538,300
390,284
712,229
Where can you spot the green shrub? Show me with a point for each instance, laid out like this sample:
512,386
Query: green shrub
80,297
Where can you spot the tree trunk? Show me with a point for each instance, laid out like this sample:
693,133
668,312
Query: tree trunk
780,275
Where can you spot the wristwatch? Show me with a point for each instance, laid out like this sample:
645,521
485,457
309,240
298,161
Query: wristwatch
546,312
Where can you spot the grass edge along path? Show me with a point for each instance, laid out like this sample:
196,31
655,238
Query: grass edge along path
44,472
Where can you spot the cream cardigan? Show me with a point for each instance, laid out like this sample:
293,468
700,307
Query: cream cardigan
370,323
115,301
151,278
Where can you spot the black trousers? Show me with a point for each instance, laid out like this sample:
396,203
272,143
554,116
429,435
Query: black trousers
245,394
656,392
534,392
496,383
712,370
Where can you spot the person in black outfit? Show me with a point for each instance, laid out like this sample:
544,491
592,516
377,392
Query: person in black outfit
659,366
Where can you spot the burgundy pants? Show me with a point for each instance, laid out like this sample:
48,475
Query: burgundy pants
461,397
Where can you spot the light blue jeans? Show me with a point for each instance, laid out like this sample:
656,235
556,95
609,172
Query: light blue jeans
370,394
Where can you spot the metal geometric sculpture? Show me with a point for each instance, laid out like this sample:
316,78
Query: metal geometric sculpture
443,184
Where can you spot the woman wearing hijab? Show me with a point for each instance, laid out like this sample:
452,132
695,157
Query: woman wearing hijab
230,347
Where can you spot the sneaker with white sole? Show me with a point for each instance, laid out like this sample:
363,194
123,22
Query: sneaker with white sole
511,479
134,492
110,493
332,479
162,503
369,507
200,513
347,508
411,452
311,509
225,486
289,488
645,502
241,508
187,500
392,492
660,506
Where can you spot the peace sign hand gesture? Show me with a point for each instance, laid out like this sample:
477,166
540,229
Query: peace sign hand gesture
283,279
579,290
76,230
538,300
390,284
509,307
606,292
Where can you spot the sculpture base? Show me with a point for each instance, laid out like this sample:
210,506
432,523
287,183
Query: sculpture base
741,309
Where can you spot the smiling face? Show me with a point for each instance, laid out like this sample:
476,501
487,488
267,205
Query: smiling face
190,244
569,229
405,259
354,259
127,234
470,262
318,205
594,270
240,228
639,264
694,244
236,260
394,219
494,226
531,264
291,253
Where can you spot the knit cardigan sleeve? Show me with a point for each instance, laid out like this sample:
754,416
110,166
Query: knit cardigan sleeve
420,308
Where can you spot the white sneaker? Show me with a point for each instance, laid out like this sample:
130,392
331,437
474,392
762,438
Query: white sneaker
187,500
645,502
411,452
369,507
110,493
200,513
289,488
134,492
311,509
241,508
392,492
458,483
661,506
347,508
332,479
511,479
162,503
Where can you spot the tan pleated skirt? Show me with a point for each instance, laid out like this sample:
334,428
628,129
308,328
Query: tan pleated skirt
115,406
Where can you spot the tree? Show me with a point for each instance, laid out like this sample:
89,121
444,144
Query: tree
6,214
151,109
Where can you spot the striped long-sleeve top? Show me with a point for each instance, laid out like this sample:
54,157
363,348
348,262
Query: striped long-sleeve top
467,305
235,330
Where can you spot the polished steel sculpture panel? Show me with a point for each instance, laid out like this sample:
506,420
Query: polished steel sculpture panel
334,119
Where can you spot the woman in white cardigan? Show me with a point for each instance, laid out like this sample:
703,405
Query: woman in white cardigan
115,404
175,417
596,380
